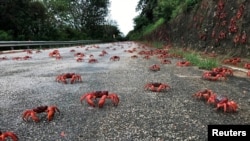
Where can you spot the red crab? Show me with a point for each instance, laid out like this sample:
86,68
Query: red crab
3,58
243,39
72,50
183,63
212,99
156,87
58,57
212,75
155,67
54,53
33,113
115,58
233,61
92,60
104,52
73,76
248,73
165,61
79,59
79,54
17,58
236,39
203,94
247,66
101,54
224,71
29,51
103,95
27,57
146,57
38,51
51,110
5,135
162,56
134,56
223,102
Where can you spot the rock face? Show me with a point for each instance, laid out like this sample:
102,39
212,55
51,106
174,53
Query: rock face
211,25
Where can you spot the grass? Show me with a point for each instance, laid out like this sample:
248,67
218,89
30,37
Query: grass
150,28
192,56
158,45
202,63
197,60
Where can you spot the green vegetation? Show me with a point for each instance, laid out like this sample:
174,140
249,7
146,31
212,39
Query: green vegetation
155,13
202,63
196,59
193,57
152,27
158,45
56,20
183,7
68,19
5,36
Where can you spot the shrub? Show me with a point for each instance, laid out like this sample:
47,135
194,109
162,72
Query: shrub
4,36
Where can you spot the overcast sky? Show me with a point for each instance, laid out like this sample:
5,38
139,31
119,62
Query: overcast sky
123,12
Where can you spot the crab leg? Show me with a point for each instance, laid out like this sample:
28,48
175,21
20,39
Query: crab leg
8,134
115,99
51,112
102,101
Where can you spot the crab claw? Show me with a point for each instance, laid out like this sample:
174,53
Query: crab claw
51,111
75,78
232,105
88,97
30,113
163,87
4,135
113,97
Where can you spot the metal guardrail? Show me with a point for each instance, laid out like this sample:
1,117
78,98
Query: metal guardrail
11,45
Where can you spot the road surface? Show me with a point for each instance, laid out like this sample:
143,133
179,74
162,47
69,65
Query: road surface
141,115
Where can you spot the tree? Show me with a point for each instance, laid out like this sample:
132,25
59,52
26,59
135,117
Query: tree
23,19
94,15
54,19
111,30
147,7
83,15
140,22
13,16
37,20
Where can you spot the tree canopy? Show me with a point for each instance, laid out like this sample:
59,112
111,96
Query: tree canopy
55,20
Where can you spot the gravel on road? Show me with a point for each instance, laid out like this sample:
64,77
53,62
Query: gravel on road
141,115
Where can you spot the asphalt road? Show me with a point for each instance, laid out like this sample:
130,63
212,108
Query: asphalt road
141,115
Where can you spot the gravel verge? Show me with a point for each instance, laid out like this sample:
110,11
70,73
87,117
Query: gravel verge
140,115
